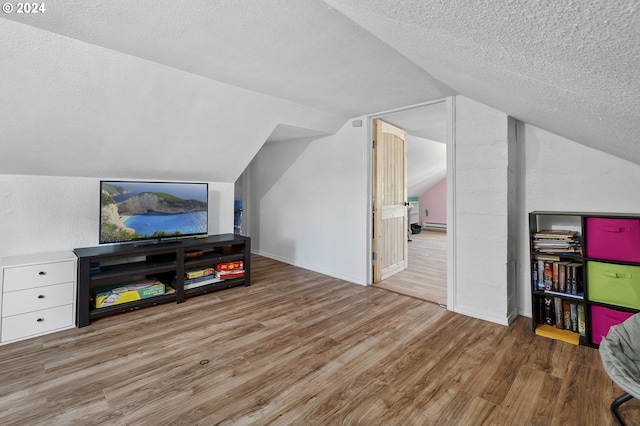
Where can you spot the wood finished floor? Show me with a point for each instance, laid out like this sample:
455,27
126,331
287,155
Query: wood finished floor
299,348
426,275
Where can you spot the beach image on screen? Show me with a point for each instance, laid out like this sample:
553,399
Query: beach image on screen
145,210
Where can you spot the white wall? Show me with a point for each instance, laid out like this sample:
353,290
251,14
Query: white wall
69,108
562,175
434,200
426,164
307,203
482,208
45,213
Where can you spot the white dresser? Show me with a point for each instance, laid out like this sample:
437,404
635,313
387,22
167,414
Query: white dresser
38,294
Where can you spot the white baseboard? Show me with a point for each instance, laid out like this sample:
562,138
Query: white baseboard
482,315
333,274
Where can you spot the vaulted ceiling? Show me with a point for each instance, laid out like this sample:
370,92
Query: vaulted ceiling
91,88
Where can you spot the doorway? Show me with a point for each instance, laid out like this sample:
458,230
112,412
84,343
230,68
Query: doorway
426,274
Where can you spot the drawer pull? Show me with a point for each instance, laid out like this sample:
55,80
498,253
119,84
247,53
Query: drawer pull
42,273
41,296
617,275
40,319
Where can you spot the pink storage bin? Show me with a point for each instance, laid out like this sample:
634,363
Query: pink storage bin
613,239
602,319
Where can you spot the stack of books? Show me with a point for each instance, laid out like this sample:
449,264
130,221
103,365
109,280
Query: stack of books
199,277
222,271
557,242
229,270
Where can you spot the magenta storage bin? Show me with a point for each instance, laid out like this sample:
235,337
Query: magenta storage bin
613,239
602,319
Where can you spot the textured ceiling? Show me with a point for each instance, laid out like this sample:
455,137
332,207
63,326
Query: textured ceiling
300,50
153,73
569,67
426,128
427,122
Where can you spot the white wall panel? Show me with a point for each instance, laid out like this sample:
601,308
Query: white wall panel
562,175
53,213
308,203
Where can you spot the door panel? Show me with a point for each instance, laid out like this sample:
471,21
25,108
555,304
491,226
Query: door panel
390,195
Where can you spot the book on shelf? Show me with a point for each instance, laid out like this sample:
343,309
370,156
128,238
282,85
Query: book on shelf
230,266
555,276
549,314
541,315
557,305
566,310
223,275
540,274
574,283
547,275
197,279
210,279
551,257
562,276
196,273
574,316
582,328
555,234
557,242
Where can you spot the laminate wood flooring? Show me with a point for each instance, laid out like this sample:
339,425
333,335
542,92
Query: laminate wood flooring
426,275
300,348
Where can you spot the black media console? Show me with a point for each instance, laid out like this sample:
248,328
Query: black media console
115,265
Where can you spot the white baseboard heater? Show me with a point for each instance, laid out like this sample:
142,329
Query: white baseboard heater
434,225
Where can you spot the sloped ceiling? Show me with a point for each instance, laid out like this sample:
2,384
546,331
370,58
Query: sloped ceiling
89,88
426,128
569,67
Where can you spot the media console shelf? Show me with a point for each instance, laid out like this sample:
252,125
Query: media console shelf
118,265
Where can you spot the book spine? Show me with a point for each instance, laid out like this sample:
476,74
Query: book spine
534,277
581,321
555,276
549,315
579,287
574,317
562,277
566,309
571,269
541,274
541,313
548,275
559,312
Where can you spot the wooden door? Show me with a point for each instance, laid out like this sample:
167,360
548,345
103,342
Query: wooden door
390,224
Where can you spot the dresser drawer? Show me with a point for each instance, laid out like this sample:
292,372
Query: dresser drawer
24,277
35,299
614,284
39,322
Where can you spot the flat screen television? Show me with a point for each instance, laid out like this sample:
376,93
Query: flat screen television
137,210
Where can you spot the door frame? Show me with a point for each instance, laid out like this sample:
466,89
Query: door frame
451,194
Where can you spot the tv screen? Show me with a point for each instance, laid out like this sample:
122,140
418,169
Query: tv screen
131,211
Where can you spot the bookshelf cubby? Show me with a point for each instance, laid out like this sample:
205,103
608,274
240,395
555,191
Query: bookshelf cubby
121,264
585,273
